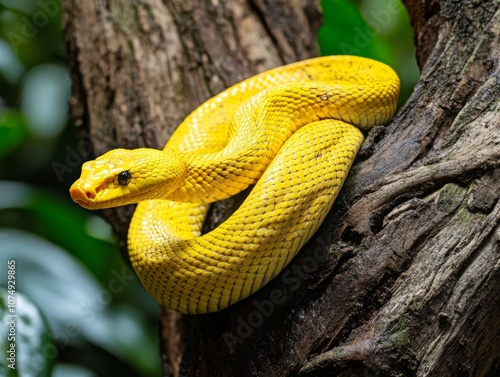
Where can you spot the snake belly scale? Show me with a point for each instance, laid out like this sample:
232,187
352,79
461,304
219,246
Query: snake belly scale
293,131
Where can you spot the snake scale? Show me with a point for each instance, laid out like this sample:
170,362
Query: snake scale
293,131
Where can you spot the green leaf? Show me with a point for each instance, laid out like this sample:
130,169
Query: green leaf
77,308
56,282
31,347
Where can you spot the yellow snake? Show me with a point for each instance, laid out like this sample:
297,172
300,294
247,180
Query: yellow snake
292,131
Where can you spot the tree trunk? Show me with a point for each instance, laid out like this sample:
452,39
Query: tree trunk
402,279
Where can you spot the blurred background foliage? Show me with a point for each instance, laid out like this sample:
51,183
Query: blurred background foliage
82,312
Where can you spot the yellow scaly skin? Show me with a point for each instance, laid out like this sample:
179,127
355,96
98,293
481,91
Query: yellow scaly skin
293,131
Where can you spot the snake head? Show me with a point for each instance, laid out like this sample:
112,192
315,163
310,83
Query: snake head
123,176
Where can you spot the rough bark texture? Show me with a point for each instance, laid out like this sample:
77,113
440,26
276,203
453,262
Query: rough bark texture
403,277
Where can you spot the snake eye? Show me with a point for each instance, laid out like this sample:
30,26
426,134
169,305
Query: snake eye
124,178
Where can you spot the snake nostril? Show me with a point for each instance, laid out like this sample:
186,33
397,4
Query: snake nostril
89,192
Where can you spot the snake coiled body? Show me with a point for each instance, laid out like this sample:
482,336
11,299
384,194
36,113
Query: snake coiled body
293,131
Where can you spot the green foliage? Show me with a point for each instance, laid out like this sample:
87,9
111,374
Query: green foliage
79,309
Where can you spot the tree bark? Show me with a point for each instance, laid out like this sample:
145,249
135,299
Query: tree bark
402,279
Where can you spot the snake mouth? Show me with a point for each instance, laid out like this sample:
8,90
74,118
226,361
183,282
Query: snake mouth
84,194
89,196
80,196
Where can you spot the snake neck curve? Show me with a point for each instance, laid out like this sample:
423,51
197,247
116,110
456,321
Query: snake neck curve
262,125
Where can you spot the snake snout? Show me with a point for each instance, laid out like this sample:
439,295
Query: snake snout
82,192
